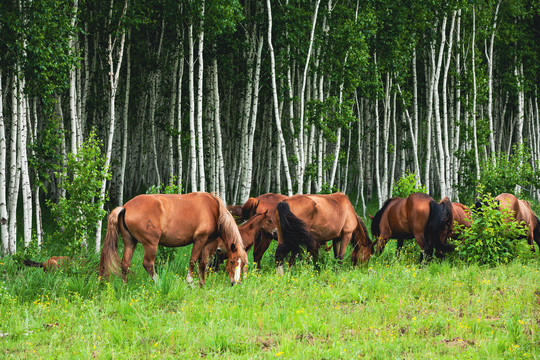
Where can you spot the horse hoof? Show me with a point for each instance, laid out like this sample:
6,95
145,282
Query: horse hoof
280,270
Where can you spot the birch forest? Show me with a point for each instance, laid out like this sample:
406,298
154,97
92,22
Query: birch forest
242,98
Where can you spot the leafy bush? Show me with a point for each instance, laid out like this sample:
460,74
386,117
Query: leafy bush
498,174
407,185
165,254
493,236
78,213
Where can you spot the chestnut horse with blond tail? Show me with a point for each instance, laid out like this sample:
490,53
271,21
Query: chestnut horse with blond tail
312,220
171,220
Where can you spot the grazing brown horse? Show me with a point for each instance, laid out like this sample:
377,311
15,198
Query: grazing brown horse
250,231
521,211
171,220
417,216
53,263
461,215
259,204
312,220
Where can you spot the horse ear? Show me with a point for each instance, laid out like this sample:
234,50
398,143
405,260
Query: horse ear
370,216
265,212
233,247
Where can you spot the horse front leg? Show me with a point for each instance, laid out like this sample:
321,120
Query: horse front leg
345,239
198,247
259,248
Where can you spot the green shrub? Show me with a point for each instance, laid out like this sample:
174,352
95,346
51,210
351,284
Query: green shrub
78,213
407,185
493,237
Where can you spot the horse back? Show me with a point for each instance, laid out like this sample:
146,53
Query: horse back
327,216
269,202
172,218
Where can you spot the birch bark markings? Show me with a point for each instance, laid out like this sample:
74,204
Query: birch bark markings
276,102
3,195
114,76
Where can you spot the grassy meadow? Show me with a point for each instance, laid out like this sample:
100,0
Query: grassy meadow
389,309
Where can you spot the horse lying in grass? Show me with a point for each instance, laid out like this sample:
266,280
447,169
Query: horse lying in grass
171,220
312,220
522,212
266,202
53,263
417,216
258,225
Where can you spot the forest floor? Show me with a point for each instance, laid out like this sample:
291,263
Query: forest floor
390,309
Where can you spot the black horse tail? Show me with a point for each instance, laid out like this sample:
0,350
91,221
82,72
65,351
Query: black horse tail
295,234
439,225
375,222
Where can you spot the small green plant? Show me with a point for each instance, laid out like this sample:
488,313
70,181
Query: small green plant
493,237
407,185
164,254
78,213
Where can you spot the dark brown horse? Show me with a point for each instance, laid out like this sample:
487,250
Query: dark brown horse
171,220
250,231
259,204
312,220
417,216
521,211
53,263
462,216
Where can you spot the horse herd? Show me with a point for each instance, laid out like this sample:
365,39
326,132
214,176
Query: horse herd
298,221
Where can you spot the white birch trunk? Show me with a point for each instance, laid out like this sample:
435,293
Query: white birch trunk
73,111
276,102
217,129
202,177
193,147
170,137
114,75
25,175
14,171
489,57
179,121
3,188
125,124
476,156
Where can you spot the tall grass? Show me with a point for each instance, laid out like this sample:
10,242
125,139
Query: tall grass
391,308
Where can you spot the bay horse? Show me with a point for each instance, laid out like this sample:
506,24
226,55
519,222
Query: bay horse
417,216
51,264
250,231
171,220
259,204
521,211
312,220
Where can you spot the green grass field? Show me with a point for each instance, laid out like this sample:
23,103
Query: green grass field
389,309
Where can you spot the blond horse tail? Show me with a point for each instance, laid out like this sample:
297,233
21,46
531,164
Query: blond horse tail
228,230
110,260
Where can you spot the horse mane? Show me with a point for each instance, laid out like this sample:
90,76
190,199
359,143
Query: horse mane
357,234
375,222
295,233
249,208
440,219
228,229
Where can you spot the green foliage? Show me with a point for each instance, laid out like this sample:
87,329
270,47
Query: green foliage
493,237
78,213
503,173
326,189
407,185
499,173
165,255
